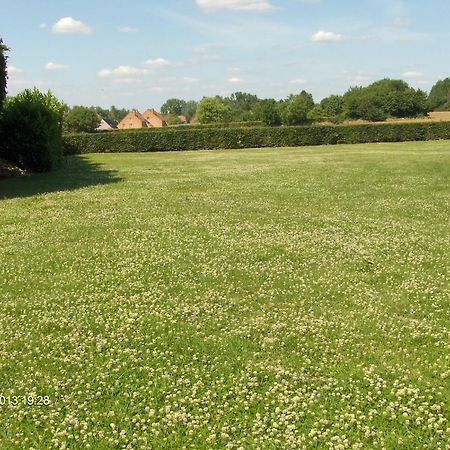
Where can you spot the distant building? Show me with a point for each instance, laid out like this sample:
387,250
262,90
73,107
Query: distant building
104,125
134,119
149,119
154,118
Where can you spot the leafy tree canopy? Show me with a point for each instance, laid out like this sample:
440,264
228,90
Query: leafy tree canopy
173,106
213,110
81,119
295,109
268,112
439,98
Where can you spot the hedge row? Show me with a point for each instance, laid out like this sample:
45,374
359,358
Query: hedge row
222,138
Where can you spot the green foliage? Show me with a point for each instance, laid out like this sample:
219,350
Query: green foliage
112,115
408,103
295,109
268,112
173,106
173,120
439,98
177,107
242,105
316,114
383,99
31,130
333,107
213,110
3,72
362,103
190,109
81,119
194,138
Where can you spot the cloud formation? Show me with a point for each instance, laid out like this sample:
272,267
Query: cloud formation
237,5
130,71
122,71
12,70
55,66
71,26
156,63
413,74
326,36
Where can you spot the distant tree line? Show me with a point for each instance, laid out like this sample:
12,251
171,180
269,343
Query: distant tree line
381,100
377,102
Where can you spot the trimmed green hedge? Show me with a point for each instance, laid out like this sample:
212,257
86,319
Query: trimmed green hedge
220,138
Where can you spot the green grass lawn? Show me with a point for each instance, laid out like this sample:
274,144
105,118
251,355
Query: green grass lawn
269,298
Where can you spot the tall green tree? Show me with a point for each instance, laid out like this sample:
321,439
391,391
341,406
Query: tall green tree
268,112
190,109
173,106
241,105
81,119
384,98
3,72
439,98
295,109
213,110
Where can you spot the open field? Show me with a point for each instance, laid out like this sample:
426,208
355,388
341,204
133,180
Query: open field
273,299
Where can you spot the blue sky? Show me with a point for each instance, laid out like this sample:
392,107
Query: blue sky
139,53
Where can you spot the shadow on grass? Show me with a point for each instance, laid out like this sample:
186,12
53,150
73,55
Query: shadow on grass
76,172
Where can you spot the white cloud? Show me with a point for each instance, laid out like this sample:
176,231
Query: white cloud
156,63
125,72
237,5
12,70
299,81
55,66
413,74
235,80
70,25
122,71
326,36
128,30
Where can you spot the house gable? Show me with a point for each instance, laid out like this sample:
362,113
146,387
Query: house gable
133,119
154,118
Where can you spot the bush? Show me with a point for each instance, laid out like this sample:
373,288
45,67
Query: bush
31,131
221,138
